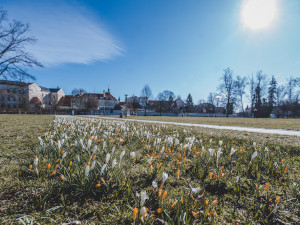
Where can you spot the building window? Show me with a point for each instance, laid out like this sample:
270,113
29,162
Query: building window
8,106
8,98
8,91
15,107
20,99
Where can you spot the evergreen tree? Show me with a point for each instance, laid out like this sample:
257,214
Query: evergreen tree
272,93
189,103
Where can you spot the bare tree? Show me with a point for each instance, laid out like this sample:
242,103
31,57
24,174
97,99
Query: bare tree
13,56
252,92
239,89
279,95
212,98
226,86
77,91
259,99
290,88
165,100
147,93
92,103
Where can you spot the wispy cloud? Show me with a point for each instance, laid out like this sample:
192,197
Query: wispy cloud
297,63
66,34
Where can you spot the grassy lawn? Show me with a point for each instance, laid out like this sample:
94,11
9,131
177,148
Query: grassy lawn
95,171
289,124
18,138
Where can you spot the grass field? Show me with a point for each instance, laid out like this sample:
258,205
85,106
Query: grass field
113,172
289,124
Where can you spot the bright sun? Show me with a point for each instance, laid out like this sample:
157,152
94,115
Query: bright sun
259,14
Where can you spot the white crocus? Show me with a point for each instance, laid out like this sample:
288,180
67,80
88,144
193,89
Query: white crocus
102,169
254,144
194,190
114,163
218,155
143,213
121,157
149,160
93,165
144,197
220,143
107,158
253,156
35,161
211,152
132,154
95,149
232,152
64,155
164,177
89,143
87,170
154,184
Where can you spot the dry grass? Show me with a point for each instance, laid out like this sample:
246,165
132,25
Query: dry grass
18,138
50,201
289,124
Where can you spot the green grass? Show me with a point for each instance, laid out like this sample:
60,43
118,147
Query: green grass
289,124
45,198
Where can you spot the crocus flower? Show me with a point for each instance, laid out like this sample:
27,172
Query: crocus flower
143,212
107,158
103,168
164,176
267,187
253,156
194,190
35,161
144,197
93,164
132,154
87,171
121,156
114,162
232,151
135,211
220,143
154,184
164,195
174,204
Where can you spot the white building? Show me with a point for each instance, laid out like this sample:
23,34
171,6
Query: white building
15,95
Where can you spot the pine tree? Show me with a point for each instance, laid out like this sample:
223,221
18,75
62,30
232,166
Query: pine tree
189,103
272,93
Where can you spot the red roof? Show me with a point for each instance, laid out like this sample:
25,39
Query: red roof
108,95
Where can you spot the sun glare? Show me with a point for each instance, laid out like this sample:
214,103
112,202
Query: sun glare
259,14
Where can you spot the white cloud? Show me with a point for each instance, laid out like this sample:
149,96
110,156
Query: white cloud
66,34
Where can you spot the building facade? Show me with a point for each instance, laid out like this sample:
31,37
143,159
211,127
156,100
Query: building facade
15,95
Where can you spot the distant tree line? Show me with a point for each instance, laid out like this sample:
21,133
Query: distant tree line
264,95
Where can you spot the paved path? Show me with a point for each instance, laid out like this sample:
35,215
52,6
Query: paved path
247,129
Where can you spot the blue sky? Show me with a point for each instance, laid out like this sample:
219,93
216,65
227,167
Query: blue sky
182,46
